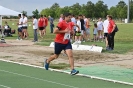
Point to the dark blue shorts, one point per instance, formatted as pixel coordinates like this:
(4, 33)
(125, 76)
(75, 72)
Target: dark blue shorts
(20, 29)
(24, 27)
(59, 47)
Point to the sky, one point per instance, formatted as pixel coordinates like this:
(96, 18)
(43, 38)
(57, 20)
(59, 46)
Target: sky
(31, 5)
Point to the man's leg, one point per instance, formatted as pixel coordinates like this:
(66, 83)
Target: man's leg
(36, 37)
(51, 28)
(70, 57)
(51, 58)
(69, 53)
(109, 40)
(57, 51)
(112, 40)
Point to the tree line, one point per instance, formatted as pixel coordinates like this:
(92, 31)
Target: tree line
(91, 10)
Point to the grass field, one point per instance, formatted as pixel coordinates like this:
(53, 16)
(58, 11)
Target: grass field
(123, 38)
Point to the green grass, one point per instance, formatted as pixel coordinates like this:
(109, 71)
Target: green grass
(123, 38)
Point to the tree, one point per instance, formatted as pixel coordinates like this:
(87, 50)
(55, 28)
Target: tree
(47, 12)
(36, 13)
(131, 10)
(113, 12)
(24, 12)
(55, 6)
(121, 9)
(101, 9)
(75, 9)
(121, 4)
(90, 8)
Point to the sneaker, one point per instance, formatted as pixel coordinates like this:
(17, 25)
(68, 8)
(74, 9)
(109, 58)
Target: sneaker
(74, 72)
(79, 42)
(17, 39)
(46, 64)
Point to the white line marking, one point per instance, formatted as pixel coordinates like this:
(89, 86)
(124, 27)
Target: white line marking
(37, 79)
(5, 86)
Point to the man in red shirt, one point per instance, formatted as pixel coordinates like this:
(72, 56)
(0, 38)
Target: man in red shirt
(111, 33)
(45, 24)
(62, 42)
(41, 26)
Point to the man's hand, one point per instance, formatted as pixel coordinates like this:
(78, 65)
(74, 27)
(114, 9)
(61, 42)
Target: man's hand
(67, 30)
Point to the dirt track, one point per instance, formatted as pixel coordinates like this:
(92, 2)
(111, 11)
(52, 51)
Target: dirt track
(29, 53)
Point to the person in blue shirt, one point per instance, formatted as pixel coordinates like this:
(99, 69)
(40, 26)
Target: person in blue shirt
(51, 20)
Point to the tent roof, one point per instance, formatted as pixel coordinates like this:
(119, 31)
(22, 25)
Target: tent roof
(8, 12)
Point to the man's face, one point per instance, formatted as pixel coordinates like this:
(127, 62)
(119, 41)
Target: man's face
(68, 18)
(108, 18)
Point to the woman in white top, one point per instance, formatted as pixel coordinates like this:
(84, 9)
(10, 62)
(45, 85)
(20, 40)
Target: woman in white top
(100, 29)
(25, 26)
(78, 32)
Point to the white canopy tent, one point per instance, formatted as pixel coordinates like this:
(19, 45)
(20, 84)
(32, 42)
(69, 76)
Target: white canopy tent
(7, 12)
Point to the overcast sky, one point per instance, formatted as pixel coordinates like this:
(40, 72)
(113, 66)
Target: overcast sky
(31, 5)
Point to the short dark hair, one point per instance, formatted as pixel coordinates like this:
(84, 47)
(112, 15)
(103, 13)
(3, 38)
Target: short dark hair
(81, 15)
(95, 25)
(67, 14)
(24, 14)
(44, 15)
(110, 17)
(19, 15)
(41, 15)
(34, 16)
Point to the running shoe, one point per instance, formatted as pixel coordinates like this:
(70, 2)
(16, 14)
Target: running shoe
(74, 72)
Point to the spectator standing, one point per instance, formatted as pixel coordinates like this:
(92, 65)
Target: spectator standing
(25, 26)
(41, 26)
(95, 32)
(61, 18)
(100, 29)
(75, 22)
(87, 31)
(45, 24)
(105, 25)
(78, 32)
(111, 33)
(35, 27)
(82, 28)
(51, 20)
(20, 23)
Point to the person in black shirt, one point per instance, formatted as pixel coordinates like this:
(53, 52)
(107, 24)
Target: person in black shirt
(82, 27)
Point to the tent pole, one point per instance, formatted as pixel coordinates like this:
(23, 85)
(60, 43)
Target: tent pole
(2, 35)
(0, 20)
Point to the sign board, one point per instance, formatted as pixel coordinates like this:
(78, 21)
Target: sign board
(92, 48)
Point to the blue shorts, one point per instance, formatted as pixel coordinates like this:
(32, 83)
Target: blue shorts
(20, 29)
(59, 47)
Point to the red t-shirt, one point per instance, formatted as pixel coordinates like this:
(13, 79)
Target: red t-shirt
(110, 27)
(41, 22)
(45, 22)
(60, 37)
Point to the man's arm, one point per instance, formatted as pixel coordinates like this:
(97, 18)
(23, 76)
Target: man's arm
(58, 31)
(113, 23)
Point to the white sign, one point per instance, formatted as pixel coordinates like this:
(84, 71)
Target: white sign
(92, 48)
